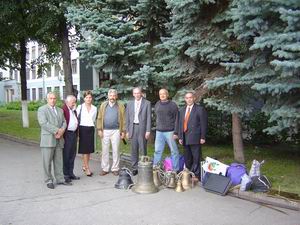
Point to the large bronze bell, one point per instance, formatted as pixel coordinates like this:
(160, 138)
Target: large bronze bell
(185, 177)
(125, 180)
(145, 183)
(170, 179)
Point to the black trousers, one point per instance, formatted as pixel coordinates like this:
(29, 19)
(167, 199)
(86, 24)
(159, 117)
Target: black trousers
(192, 157)
(69, 153)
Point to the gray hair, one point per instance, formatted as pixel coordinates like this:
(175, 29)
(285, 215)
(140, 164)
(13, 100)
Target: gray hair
(70, 98)
(50, 93)
(139, 88)
(190, 92)
(112, 91)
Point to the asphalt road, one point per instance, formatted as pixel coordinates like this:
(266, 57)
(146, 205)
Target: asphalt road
(25, 199)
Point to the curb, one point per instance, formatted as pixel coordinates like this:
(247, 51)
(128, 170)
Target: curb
(259, 198)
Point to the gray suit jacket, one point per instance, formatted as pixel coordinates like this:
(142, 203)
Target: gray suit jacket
(144, 117)
(50, 123)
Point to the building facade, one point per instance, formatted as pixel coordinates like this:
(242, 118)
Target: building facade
(38, 85)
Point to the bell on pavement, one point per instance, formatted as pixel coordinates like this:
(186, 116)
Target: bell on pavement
(170, 179)
(186, 178)
(179, 187)
(156, 176)
(145, 183)
(125, 180)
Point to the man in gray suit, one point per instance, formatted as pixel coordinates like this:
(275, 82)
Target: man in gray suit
(53, 125)
(138, 126)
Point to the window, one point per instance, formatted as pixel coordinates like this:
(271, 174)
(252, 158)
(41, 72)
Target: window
(11, 74)
(56, 91)
(27, 73)
(40, 93)
(40, 50)
(33, 72)
(27, 54)
(48, 71)
(74, 66)
(57, 70)
(28, 94)
(33, 56)
(49, 89)
(16, 75)
(64, 92)
(33, 94)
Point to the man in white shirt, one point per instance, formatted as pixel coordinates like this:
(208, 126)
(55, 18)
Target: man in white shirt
(70, 136)
(138, 126)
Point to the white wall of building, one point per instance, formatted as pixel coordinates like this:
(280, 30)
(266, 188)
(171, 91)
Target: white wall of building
(38, 85)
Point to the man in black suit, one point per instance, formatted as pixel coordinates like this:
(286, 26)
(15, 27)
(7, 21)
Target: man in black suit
(191, 129)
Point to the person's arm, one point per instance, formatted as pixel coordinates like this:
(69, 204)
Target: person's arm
(44, 123)
(127, 120)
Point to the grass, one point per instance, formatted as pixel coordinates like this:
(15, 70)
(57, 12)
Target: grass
(282, 164)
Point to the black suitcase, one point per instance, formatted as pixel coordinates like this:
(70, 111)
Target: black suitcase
(215, 183)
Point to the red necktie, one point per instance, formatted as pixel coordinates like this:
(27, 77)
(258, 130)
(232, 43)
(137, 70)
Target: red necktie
(186, 120)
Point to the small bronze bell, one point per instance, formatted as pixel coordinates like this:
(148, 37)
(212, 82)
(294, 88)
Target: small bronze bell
(156, 177)
(125, 180)
(186, 178)
(179, 187)
(170, 179)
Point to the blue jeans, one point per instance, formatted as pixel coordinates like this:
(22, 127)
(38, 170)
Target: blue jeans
(160, 140)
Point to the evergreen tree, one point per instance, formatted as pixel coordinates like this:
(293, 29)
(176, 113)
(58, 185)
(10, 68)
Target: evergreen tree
(268, 32)
(196, 48)
(118, 37)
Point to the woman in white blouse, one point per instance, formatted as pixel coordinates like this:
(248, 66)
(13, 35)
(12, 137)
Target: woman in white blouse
(86, 116)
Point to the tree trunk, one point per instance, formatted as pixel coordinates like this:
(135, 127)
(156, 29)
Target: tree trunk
(25, 117)
(66, 55)
(237, 140)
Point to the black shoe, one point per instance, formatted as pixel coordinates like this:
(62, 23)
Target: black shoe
(65, 183)
(68, 179)
(50, 185)
(73, 177)
(134, 172)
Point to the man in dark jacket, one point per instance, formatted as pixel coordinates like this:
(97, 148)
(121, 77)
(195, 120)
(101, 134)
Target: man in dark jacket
(191, 129)
(70, 136)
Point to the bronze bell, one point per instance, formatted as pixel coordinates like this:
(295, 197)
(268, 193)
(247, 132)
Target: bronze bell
(157, 176)
(145, 183)
(186, 178)
(179, 187)
(170, 178)
(125, 180)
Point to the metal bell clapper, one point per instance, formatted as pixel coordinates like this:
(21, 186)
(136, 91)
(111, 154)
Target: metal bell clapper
(125, 179)
(145, 183)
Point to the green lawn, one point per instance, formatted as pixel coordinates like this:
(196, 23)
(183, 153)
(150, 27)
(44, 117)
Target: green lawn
(282, 164)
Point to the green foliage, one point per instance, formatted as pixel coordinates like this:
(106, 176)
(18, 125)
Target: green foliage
(268, 69)
(32, 106)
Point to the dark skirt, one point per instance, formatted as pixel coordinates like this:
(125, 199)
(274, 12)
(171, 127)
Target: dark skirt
(86, 140)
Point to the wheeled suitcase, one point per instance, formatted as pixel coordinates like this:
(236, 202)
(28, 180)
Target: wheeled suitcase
(215, 183)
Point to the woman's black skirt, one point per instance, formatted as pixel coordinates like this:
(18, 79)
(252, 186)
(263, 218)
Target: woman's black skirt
(86, 140)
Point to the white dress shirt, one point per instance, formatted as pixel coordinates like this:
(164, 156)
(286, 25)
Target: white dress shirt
(137, 107)
(73, 122)
(187, 108)
(87, 118)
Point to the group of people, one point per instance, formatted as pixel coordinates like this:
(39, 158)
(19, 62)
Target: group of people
(61, 128)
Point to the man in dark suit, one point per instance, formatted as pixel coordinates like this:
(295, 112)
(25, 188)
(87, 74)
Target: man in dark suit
(138, 126)
(70, 136)
(191, 129)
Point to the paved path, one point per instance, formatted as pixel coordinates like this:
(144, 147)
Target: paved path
(24, 199)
